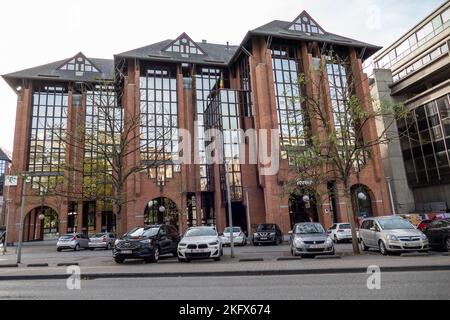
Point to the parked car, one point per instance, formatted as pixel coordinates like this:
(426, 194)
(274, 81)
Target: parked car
(102, 240)
(200, 243)
(438, 233)
(340, 232)
(391, 234)
(239, 237)
(310, 239)
(267, 233)
(147, 243)
(73, 241)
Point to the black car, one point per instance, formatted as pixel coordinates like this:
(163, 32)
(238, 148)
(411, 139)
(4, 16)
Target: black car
(267, 233)
(438, 233)
(147, 243)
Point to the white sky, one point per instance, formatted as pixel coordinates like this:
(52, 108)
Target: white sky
(36, 32)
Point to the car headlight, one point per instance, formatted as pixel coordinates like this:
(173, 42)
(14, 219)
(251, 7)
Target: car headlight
(255, 234)
(329, 241)
(182, 244)
(215, 243)
(423, 237)
(393, 238)
(298, 241)
(147, 241)
(117, 242)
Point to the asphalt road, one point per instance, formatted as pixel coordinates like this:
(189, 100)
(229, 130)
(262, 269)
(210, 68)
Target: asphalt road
(407, 285)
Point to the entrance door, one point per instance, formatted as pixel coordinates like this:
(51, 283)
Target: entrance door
(303, 208)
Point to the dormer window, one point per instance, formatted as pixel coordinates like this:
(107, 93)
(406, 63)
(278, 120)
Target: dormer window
(306, 24)
(79, 64)
(185, 46)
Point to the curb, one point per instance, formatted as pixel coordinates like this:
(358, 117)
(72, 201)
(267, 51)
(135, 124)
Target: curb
(289, 258)
(37, 265)
(94, 276)
(327, 257)
(14, 265)
(67, 264)
(251, 260)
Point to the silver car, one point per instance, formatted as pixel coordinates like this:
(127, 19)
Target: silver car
(102, 240)
(391, 234)
(73, 241)
(310, 239)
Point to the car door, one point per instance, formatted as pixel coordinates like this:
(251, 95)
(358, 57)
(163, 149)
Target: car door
(432, 232)
(174, 238)
(164, 241)
(368, 234)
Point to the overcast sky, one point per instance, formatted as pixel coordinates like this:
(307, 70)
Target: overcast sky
(38, 32)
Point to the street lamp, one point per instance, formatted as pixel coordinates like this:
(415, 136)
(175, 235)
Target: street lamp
(362, 196)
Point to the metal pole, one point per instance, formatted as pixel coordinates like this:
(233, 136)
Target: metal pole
(230, 215)
(391, 195)
(22, 214)
(249, 225)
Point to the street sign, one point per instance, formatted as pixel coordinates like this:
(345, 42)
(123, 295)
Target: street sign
(11, 181)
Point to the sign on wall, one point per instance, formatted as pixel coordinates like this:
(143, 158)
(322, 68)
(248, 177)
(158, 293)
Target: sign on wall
(11, 181)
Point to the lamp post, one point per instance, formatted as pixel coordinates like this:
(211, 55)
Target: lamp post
(391, 195)
(230, 214)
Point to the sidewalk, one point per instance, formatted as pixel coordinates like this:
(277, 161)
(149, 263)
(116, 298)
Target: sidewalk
(227, 267)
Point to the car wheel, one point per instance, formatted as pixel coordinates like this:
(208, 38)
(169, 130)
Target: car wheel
(58, 249)
(364, 247)
(447, 245)
(108, 246)
(92, 249)
(217, 259)
(119, 261)
(383, 249)
(155, 255)
(77, 247)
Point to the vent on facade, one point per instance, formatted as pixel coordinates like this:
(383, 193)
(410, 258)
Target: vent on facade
(48, 75)
(159, 56)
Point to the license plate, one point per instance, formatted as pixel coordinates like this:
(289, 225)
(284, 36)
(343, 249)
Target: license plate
(263, 238)
(199, 251)
(316, 246)
(126, 252)
(413, 244)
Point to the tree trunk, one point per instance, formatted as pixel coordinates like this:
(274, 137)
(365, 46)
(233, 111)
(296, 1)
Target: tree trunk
(119, 229)
(351, 217)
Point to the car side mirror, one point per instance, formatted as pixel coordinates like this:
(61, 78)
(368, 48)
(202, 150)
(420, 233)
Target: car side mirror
(291, 232)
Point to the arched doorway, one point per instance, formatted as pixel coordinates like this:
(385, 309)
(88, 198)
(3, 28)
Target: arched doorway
(303, 207)
(361, 202)
(161, 211)
(41, 224)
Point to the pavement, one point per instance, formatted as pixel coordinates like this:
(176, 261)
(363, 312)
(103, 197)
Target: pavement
(40, 261)
(402, 285)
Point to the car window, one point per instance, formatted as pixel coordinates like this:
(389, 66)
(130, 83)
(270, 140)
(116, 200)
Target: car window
(163, 231)
(345, 226)
(201, 232)
(266, 227)
(333, 227)
(172, 230)
(392, 224)
(309, 229)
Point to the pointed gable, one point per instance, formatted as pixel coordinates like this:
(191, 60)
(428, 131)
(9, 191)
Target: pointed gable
(305, 23)
(79, 64)
(184, 45)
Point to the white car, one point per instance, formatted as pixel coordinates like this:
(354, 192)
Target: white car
(340, 232)
(200, 243)
(238, 237)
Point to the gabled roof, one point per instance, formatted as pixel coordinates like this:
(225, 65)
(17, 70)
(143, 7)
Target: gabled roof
(184, 45)
(4, 155)
(305, 23)
(53, 71)
(214, 54)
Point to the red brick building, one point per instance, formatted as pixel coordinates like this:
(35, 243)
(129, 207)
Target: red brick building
(174, 85)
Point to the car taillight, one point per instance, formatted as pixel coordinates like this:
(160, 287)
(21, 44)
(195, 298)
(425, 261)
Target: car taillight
(73, 239)
(104, 239)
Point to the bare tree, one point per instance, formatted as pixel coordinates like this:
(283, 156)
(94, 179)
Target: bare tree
(340, 139)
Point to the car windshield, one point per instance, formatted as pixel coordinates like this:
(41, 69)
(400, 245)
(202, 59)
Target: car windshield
(143, 232)
(98, 235)
(345, 226)
(203, 232)
(67, 236)
(309, 229)
(235, 229)
(266, 227)
(393, 224)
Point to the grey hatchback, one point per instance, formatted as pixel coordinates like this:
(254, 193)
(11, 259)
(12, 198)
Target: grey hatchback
(310, 239)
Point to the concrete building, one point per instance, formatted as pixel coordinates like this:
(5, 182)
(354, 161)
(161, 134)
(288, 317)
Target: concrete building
(173, 85)
(415, 71)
